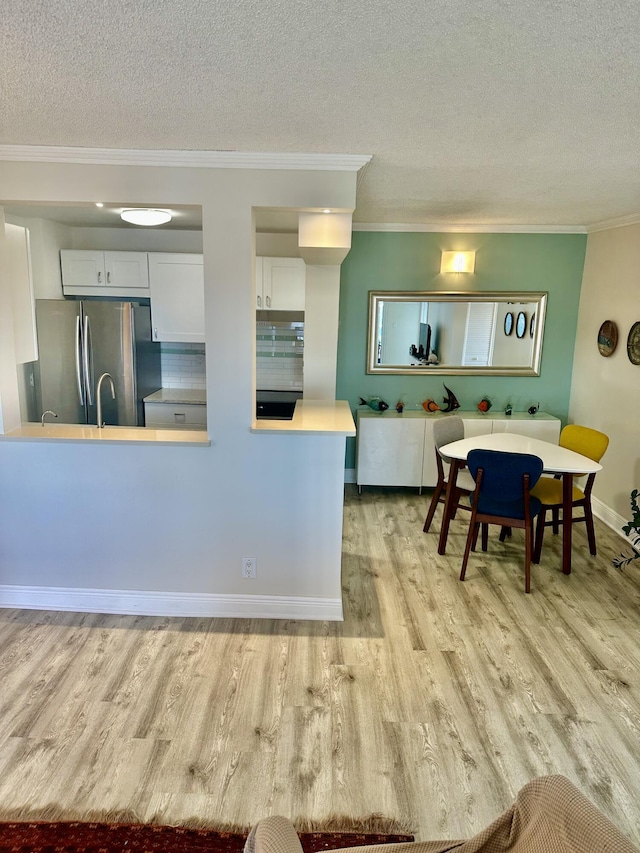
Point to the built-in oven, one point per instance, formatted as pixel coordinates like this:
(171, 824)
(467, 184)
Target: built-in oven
(276, 405)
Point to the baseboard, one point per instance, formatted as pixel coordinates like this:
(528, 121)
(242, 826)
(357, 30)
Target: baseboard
(135, 602)
(608, 516)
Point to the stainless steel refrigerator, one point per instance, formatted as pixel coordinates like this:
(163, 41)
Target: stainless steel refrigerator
(80, 340)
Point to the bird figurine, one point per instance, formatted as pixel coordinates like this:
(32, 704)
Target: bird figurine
(376, 404)
(451, 400)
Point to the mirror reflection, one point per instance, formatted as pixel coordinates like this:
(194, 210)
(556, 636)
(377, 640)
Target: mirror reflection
(448, 333)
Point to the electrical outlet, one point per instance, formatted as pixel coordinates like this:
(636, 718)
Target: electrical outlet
(249, 567)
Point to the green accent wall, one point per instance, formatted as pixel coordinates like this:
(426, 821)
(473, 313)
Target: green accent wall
(411, 261)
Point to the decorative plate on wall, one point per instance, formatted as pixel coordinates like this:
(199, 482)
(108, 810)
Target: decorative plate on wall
(521, 324)
(607, 338)
(508, 323)
(633, 344)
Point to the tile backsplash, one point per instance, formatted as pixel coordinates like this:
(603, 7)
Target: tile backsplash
(183, 365)
(279, 359)
(279, 355)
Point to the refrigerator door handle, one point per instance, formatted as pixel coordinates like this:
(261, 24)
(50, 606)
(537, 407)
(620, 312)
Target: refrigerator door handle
(78, 364)
(87, 356)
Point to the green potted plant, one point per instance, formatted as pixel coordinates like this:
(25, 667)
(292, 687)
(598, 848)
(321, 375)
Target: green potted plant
(632, 534)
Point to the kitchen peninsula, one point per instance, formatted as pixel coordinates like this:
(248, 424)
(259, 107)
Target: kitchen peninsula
(319, 417)
(311, 417)
(79, 433)
(155, 529)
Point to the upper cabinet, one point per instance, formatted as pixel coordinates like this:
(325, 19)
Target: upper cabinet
(177, 297)
(95, 273)
(21, 290)
(280, 284)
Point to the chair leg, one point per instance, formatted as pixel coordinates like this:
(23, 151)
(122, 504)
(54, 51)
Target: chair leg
(456, 498)
(474, 541)
(471, 535)
(528, 546)
(537, 550)
(432, 507)
(555, 515)
(591, 533)
(485, 537)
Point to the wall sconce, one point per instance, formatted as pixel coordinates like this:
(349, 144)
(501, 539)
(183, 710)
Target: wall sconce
(458, 262)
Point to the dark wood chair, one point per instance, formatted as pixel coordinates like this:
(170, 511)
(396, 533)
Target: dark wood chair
(446, 430)
(588, 442)
(502, 496)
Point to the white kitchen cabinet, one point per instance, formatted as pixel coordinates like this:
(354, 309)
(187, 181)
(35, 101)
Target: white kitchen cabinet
(176, 284)
(91, 272)
(280, 284)
(175, 415)
(21, 290)
(541, 426)
(390, 449)
(398, 450)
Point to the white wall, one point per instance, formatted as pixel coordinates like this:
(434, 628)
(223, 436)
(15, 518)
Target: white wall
(604, 391)
(47, 238)
(321, 310)
(9, 401)
(180, 518)
(401, 329)
(137, 239)
(510, 349)
(277, 245)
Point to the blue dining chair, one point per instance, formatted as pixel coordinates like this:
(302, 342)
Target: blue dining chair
(503, 481)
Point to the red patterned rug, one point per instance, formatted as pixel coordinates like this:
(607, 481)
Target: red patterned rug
(79, 837)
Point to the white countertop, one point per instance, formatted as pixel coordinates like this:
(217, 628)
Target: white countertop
(311, 417)
(319, 417)
(182, 396)
(106, 435)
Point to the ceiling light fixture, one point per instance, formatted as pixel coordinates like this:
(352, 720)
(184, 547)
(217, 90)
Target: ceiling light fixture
(99, 204)
(458, 262)
(145, 216)
(327, 210)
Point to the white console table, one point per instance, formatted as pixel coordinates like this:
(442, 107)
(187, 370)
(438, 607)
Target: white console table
(398, 450)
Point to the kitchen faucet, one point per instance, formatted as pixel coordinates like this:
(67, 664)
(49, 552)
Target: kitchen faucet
(44, 415)
(99, 396)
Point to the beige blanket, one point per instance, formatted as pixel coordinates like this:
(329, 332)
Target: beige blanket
(550, 815)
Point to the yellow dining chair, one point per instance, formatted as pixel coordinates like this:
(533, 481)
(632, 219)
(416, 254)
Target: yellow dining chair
(548, 490)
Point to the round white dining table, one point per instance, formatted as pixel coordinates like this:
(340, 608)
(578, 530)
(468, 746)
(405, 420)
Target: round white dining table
(555, 460)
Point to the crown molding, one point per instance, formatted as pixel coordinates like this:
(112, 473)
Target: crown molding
(617, 222)
(446, 228)
(187, 159)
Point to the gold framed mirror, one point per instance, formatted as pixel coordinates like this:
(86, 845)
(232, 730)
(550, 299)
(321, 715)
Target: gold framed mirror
(445, 333)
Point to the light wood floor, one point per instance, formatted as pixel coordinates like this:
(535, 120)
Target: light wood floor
(432, 703)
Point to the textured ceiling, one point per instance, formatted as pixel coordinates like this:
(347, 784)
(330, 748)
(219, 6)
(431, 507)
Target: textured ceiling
(483, 112)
